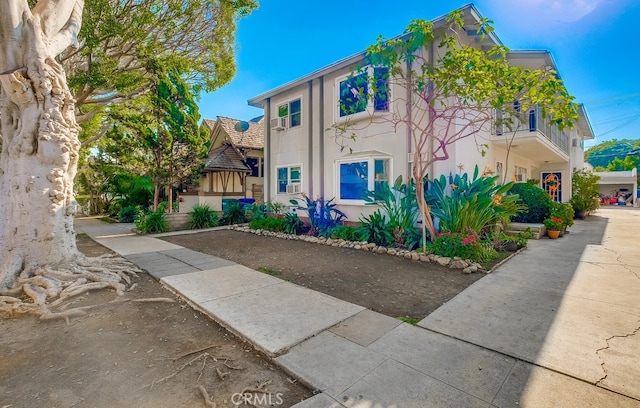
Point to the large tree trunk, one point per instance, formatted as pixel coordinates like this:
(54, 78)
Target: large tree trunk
(39, 157)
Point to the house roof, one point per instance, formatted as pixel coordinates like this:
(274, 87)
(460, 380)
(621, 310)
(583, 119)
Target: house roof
(252, 138)
(226, 158)
(470, 12)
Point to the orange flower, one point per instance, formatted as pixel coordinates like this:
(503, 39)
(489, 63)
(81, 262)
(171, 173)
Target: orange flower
(497, 199)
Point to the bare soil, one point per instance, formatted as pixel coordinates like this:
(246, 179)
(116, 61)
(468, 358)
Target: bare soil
(127, 354)
(394, 286)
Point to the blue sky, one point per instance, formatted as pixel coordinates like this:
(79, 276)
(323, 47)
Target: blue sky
(592, 41)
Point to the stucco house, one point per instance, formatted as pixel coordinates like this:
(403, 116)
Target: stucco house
(301, 155)
(234, 166)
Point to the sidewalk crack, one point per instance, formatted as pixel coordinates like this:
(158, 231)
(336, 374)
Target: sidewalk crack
(604, 369)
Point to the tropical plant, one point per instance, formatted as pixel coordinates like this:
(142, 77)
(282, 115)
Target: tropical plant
(293, 224)
(127, 214)
(202, 216)
(233, 214)
(376, 228)
(275, 207)
(537, 201)
(470, 205)
(398, 203)
(323, 215)
(255, 211)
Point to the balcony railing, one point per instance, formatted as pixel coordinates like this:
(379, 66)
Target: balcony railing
(535, 122)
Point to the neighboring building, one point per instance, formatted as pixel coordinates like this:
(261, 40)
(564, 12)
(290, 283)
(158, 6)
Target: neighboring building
(234, 166)
(301, 156)
(618, 187)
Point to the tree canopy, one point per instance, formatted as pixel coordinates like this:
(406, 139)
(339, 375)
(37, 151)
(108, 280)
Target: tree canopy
(119, 38)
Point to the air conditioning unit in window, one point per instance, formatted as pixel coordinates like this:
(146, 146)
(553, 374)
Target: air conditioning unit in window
(293, 188)
(279, 123)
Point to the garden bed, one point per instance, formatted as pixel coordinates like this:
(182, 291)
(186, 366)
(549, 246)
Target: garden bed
(391, 285)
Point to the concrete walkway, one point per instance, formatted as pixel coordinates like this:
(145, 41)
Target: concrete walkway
(556, 326)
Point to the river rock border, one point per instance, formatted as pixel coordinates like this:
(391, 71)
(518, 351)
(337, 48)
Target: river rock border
(467, 266)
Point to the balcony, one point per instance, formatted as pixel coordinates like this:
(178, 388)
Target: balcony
(536, 137)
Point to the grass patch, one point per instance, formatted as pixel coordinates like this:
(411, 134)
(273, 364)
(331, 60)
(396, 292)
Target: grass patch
(268, 271)
(411, 320)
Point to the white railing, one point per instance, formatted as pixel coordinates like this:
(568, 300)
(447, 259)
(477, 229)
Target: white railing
(535, 121)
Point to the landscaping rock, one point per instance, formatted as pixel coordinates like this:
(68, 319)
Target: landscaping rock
(467, 270)
(458, 264)
(424, 258)
(407, 255)
(382, 250)
(391, 251)
(443, 260)
(415, 256)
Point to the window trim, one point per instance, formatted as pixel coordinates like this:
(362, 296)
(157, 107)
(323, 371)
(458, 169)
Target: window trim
(287, 103)
(277, 180)
(369, 111)
(370, 159)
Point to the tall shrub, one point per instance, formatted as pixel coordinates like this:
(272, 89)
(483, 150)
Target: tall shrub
(537, 201)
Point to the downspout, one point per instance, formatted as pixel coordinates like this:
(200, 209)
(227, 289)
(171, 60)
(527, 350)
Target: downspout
(321, 134)
(310, 139)
(267, 152)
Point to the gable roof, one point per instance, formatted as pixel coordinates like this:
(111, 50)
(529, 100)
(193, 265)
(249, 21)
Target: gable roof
(227, 158)
(252, 138)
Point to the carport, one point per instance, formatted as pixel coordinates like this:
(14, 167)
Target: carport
(616, 184)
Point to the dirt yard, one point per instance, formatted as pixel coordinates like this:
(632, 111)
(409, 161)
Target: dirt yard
(390, 285)
(128, 354)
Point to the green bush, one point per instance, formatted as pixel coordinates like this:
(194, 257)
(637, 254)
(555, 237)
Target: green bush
(151, 222)
(233, 214)
(585, 190)
(293, 224)
(537, 201)
(202, 216)
(269, 224)
(564, 211)
(127, 214)
(345, 232)
(465, 246)
(375, 228)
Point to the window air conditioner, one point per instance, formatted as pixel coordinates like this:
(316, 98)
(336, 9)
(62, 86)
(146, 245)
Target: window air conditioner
(293, 188)
(279, 123)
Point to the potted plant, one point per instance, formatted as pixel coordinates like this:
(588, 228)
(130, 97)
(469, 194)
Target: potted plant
(565, 212)
(553, 225)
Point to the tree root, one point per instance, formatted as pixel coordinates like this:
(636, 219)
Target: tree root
(152, 300)
(207, 399)
(49, 288)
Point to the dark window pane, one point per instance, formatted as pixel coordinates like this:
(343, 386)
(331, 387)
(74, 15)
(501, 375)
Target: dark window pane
(353, 95)
(283, 179)
(294, 119)
(294, 106)
(353, 180)
(253, 163)
(381, 97)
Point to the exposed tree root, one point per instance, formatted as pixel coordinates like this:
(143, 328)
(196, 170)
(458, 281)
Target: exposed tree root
(45, 291)
(207, 400)
(152, 300)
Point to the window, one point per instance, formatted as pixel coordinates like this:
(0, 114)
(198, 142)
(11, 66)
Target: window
(291, 111)
(289, 179)
(356, 177)
(254, 163)
(499, 170)
(521, 174)
(354, 93)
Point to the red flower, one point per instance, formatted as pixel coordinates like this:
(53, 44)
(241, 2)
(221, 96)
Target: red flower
(465, 241)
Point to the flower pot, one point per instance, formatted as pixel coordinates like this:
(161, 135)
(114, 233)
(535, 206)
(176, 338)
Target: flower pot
(553, 234)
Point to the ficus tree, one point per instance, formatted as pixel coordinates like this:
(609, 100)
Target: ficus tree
(447, 88)
(107, 61)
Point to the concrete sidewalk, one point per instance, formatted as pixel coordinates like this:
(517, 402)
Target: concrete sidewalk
(555, 326)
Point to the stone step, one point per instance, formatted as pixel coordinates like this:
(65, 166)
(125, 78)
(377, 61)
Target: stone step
(515, 227)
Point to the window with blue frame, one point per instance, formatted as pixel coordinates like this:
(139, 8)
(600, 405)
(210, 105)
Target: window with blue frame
(357, 177)
(354, 92)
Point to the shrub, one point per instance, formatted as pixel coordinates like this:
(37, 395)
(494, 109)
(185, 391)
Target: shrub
(465, 246)
(585, 190)
(537, 201)
(563, 211)
(269, 224)
(553, 223)
(345, 232)
(202, 216)
(375, 228)
(293, 224)
(151, 222)
(127, 214)
(233, 214)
